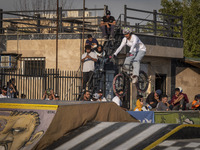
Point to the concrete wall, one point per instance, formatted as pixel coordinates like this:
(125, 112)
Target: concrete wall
(189, 80)
(68, 54)
(69, 51)
(158, 65)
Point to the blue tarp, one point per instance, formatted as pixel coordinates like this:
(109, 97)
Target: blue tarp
(143, 116)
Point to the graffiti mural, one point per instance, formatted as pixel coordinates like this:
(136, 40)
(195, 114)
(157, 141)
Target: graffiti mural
(177, 117)
(22, 128)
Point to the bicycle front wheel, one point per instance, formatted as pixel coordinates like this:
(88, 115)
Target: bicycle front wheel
(143, 82)
(120, 82)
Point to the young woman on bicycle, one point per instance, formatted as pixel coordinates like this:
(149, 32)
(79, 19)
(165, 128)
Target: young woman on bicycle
(136, 53)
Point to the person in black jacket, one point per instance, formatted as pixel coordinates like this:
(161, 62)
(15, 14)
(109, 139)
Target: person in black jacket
(153, 98)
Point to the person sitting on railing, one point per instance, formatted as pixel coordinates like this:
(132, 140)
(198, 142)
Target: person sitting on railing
(118, 99)
(88, 60)
(154, 98)
(101, 97)
(136, 52)
(95, 97)
(101, 57)
(92, 42)
(4, 92)
(179, 100)
(12, 90)
(163, 105)
(139, 103)
(196, 102)
(50, 94)
(86, 96)
(23, 96)
(107, 25)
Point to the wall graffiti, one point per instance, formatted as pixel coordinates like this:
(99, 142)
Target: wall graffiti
(22, 129)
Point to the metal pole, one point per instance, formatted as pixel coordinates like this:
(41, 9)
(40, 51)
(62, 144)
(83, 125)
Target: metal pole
(57, 29)
(83, 34)
(1, 21)
(155, 21)
(57, 34)
(125, 14)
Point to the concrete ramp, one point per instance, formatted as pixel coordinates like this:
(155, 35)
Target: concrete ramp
(34, 124)
(28, 124)
(122, 136)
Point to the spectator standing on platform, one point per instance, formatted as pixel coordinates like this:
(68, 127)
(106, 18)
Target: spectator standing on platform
(12, 90)
(179, 100)
(4, 92)
(163, 104)
(86, 96)
(101, 57)
(88, 60)
(196, 102)
(139, 103)
(101, 97)
(92, 42)
(107, 25)
(153, 98)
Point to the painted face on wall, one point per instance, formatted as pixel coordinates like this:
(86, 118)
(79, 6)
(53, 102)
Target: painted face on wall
(16, 130)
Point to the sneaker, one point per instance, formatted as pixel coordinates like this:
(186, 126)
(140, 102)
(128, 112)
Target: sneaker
(134, 79)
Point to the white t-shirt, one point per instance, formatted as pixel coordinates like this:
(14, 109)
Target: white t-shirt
(2, 96)
(117, 100)
(102, 100)
(134, 43)
(88, 64)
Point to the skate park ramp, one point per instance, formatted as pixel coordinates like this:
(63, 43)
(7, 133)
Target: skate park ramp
(123, 136)
(36, 124)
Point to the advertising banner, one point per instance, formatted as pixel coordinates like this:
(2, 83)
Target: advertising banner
(143, 116)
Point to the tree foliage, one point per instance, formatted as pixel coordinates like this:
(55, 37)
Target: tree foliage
(190, 10)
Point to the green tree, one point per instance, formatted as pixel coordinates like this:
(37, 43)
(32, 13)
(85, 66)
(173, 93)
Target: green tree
(191, 28)
(190, 10)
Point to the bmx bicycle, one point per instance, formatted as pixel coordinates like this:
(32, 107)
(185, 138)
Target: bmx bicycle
(123, 78)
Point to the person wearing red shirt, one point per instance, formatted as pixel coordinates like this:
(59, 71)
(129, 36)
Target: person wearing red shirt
(179, 100)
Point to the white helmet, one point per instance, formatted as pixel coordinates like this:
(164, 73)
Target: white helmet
(181, 90)
(127, 30)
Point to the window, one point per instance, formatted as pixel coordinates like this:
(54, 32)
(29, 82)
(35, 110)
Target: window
(8, 61)
(33, 66)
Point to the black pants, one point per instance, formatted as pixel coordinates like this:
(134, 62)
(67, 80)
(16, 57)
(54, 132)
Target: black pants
(86, 77)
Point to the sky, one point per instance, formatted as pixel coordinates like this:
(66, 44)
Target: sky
(115, 6)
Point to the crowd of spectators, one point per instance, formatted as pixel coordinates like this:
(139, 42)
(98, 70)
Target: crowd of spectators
(10, 90)
(156, 101)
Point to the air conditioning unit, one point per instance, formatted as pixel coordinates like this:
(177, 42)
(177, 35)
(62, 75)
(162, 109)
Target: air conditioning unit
(8, 61)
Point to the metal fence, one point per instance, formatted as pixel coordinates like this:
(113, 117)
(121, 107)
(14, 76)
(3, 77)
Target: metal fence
(153, 23)
(65, 83)
(45, 21)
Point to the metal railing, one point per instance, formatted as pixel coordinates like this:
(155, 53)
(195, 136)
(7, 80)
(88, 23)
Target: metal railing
(34, 85)
(155, 23)
(44, 21)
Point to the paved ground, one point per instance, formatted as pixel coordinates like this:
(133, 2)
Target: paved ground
(184, 144)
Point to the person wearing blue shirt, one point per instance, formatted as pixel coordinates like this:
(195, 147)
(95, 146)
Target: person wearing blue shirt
(92, 42)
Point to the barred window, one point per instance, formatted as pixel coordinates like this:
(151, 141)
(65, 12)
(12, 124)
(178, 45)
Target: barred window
(33, 66)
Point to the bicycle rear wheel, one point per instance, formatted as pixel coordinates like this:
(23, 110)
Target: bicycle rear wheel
(143, 82)
(120, 81)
